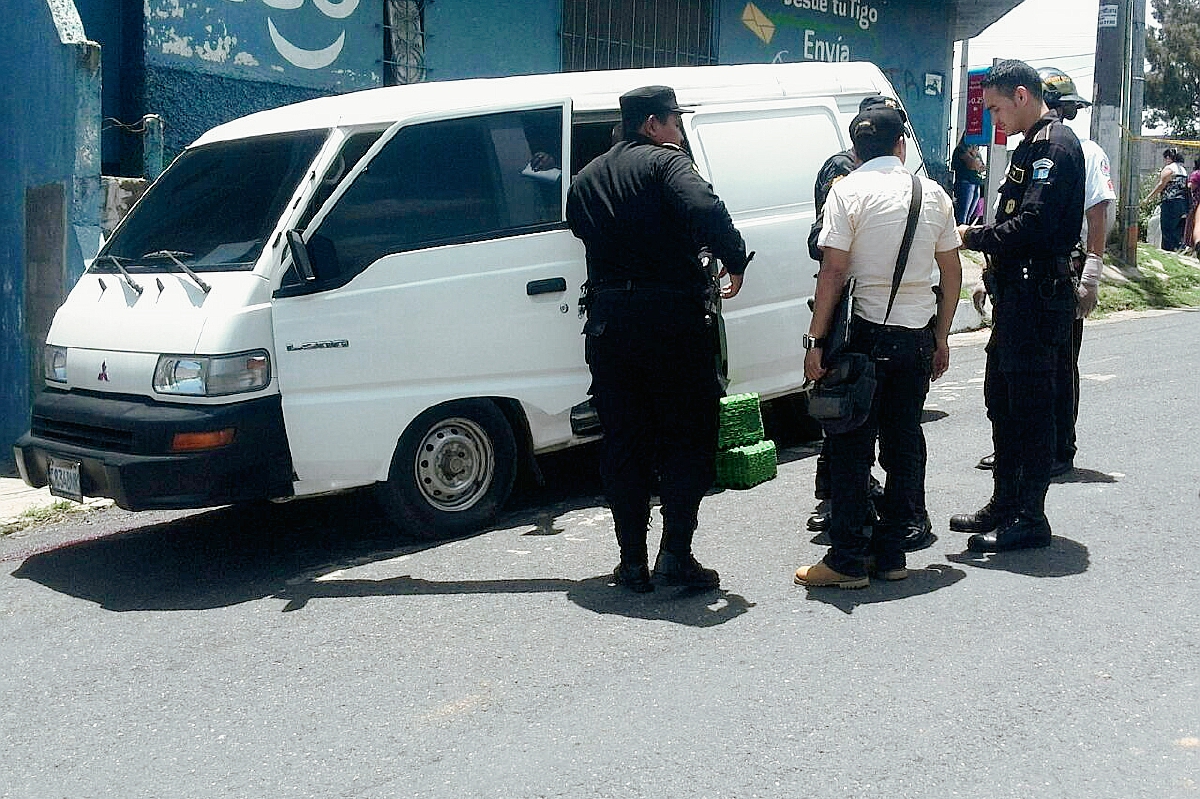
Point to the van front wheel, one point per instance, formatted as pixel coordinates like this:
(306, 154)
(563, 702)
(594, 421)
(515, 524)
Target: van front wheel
(452, 471)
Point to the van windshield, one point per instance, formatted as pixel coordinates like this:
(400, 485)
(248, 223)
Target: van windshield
(215, 207)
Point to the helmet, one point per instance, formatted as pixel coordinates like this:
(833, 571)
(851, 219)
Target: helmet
(1057, 88)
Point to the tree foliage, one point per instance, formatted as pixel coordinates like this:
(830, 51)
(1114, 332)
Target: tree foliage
(1172, 94)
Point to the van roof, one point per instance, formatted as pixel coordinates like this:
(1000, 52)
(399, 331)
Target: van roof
(589, 91)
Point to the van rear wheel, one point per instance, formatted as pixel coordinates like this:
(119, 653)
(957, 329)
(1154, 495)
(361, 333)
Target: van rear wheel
(453, 469)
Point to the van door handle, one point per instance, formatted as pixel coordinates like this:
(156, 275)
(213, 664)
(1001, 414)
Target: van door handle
(548, 286)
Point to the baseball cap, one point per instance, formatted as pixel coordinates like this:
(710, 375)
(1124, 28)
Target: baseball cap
(879, 123)
(880, 101)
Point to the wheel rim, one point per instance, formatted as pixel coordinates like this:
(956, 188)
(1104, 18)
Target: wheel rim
(455, 464)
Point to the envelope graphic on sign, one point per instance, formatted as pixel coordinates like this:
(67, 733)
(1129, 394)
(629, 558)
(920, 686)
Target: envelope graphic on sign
(758, 23)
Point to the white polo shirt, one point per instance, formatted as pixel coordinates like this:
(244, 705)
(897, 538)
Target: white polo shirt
(865, 215)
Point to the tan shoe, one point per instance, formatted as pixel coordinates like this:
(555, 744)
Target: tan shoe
(819, 575)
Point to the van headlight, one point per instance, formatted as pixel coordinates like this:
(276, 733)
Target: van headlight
(54, 363)
(212, 375)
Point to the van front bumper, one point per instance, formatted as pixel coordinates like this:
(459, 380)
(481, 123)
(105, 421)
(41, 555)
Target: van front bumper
(123, 448)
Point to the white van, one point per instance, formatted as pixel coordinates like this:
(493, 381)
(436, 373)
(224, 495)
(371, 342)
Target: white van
(379, 288)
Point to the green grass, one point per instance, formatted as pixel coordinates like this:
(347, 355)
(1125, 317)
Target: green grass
(1167, 280)
(44, 514)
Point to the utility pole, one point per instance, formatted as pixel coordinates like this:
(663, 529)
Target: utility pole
(1117, 106)
(1135, 81)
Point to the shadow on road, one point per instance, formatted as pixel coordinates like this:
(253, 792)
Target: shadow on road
(1062, 558)
(236, 554)
(693, 607)
(932, 578)
(1078, 475)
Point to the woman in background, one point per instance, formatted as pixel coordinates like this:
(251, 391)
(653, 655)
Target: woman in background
(968, 181)
(1190, 239)
(1173, 187)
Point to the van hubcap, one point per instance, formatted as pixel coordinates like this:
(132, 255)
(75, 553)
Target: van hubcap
(455, 464)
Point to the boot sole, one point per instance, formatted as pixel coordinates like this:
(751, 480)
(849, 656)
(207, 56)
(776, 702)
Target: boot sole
(857, 582)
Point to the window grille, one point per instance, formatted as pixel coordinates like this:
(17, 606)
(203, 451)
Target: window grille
(619, 34)
(403, 42)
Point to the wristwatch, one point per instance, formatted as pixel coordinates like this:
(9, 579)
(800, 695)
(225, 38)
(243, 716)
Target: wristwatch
(812, 342)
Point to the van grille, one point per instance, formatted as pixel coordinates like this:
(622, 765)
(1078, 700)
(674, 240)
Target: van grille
(82, 435)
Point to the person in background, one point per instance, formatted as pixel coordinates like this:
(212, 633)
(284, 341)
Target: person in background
(1173, 188)
(1190, 238)
(968, 181)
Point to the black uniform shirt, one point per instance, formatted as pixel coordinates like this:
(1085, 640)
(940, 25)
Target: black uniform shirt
(835, 168)
(644, 214)
(1041, 201)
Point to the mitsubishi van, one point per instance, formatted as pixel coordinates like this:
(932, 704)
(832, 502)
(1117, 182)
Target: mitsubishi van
(379, 288)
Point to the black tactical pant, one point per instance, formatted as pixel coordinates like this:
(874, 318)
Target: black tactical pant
(903, 360)
(1066, 396)
(655, 388)
(1032, 322)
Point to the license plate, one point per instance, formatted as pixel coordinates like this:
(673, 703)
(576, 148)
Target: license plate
(64, 479)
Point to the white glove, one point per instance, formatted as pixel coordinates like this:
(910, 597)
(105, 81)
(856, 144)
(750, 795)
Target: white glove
(1089, 286)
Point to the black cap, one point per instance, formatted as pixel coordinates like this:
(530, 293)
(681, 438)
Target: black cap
(640, 103)
(881, 124)
(879, 101)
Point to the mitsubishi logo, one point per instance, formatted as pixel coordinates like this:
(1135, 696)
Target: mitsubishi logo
(103, 376)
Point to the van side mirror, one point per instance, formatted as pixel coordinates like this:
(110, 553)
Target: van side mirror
(299, 251)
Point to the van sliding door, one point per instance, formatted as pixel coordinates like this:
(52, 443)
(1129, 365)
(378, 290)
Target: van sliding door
(763, 160)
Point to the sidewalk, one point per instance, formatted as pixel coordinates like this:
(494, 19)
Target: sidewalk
(16, 499)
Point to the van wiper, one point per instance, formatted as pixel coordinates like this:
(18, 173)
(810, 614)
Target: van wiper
(175, 255)
(116, 261)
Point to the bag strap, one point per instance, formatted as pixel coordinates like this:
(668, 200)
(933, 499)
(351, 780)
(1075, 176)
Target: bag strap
(914, 206)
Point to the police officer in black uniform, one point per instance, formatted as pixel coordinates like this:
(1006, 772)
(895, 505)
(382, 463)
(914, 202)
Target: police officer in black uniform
(1029, 278)
(644, 215)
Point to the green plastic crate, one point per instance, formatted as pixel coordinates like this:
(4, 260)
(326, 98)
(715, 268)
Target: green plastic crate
(741, 421)
(747, 466)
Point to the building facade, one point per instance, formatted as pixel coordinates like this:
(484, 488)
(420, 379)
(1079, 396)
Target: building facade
(113, 87)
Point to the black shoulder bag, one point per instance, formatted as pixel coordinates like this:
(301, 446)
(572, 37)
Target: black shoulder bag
(841, 400)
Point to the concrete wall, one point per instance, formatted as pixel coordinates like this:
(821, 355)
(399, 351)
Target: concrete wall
(50, 157)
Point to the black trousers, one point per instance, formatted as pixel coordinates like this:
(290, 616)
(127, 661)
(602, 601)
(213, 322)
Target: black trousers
(1066, 396)
(1172, 214)
(903, 360)
(655, 388)
(1032, 326)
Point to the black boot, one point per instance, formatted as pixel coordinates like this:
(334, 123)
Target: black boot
(673, 569)
(999, 509)
(1023, 531)
(984, 520)
(634, 576)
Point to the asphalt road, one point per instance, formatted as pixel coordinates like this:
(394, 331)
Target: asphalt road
(307, 650)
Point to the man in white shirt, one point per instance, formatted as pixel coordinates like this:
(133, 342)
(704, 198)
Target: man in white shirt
(864, 221)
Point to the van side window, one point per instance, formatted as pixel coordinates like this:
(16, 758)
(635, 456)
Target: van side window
(442, 183)
(764, 160)
(590, 138)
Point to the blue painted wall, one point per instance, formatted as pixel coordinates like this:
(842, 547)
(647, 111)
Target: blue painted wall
(207, 63)
(38, 137)
(910, 40)
(469, 39)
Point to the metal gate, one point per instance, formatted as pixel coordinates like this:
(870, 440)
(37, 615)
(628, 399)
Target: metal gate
(619, 34)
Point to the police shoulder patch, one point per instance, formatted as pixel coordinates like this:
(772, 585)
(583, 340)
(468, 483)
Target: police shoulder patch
(1041, 169)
